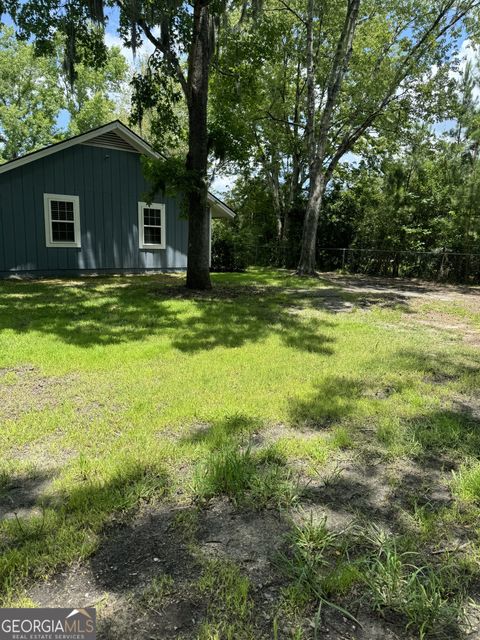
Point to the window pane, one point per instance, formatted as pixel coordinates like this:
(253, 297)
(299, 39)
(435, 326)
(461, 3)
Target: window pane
(152, 217)
(61, 210)
(63, 231)
(152, 235)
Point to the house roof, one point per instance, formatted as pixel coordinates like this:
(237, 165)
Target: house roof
(112, 135)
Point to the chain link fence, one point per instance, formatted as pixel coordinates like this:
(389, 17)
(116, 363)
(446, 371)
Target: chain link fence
(442, 265)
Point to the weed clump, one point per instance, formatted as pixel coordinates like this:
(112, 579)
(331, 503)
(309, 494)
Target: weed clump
(257, 479)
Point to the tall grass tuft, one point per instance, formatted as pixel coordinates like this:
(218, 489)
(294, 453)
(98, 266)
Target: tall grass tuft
(466, 482)
(427, 597)
(259, 479)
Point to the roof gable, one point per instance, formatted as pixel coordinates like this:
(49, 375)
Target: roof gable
(116, 132)
(111, 140)
(114, 135)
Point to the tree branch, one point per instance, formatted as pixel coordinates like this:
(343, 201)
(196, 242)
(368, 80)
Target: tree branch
(299, 17)
(414, 54)
(169, 55)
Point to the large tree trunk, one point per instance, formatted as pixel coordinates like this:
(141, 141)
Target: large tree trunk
(306, 265)
(198, 268)
(317, 140)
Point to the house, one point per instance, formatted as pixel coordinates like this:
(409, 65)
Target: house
(78, 207)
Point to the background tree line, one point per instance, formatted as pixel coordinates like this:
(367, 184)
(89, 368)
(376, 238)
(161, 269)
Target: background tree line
(419, 193)
(39, 106)
(386, 179)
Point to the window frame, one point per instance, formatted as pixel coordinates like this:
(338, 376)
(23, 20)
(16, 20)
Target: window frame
(141, 226)
(48, 198)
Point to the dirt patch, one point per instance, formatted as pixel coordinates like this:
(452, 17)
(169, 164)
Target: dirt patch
(167, 540)
(275, 432)
(443, 321)
(156, 544)
(469, 406)
(337, 627)
(438, 321)
(43, 455)
(251, 539)
(354, 489)
(21, 496)
(379, 394)
(23, 389)
(411, 288)
(116, 577)
(439, 377)
(473, 339)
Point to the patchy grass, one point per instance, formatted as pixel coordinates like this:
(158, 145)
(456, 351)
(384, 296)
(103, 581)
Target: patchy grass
(325, 567)
(431, 599)
(306, 398)
(229, 611)
(155, 593)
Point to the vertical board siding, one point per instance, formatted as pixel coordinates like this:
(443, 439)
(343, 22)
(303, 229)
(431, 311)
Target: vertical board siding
(8, 232)
(32, 222)
(110, 184)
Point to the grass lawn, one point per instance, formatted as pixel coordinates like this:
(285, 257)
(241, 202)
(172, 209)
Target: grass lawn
(277, 458)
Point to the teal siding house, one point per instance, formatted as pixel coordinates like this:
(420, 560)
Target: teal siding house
(77, 207)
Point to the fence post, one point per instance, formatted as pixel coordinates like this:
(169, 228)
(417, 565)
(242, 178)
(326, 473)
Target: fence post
(343, 259)
(442, 265)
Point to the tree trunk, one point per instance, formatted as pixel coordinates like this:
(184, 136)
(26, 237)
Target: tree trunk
(277, 200)
(198, 268)
(317, 140)
(306, 265)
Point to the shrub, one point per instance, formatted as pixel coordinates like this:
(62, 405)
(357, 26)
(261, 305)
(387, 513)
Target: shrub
(228, 248)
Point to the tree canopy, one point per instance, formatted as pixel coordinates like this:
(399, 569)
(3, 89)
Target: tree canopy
(35, 93)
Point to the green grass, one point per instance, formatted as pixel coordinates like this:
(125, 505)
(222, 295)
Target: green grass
(126, 390)
(466, 482)
(431, 599)
(227, 591)
(323, 567)
(154, 594)
(255, 479)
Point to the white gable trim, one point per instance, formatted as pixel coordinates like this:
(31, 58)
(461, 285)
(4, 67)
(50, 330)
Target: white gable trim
(137, 143)
(219, 209)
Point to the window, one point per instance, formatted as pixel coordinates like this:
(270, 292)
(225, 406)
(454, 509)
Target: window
(62, 220)
(151, 225)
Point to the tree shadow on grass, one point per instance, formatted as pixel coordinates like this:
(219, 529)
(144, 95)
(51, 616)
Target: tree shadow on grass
(144, 573)
(32, 547)
(20, 495)
(439, 367)
(229, 430)
(330, 401)
(84, 314)
(107, 312)
(229, 318)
